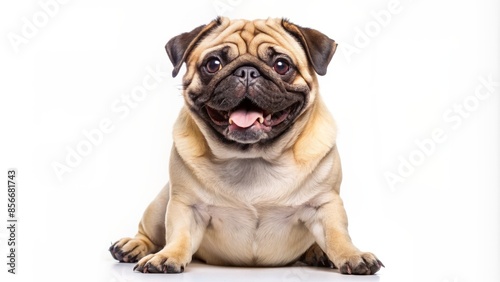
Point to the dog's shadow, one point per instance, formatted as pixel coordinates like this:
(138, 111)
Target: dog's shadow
(198, 271)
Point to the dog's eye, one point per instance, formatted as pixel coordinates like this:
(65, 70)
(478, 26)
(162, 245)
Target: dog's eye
(213, 65)
(281, 66)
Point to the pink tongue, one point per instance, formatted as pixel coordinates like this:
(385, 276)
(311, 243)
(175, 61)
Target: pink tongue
(244, 119)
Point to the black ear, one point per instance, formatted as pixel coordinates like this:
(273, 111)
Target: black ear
(319, 47)
(179, 47)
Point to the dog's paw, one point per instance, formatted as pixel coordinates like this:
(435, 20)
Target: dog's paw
(359, 264)
(315, 256)
(160, 262)
(128, 250)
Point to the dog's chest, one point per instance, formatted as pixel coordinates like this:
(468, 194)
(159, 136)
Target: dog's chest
(262, 222)
(255, 180)
(255, 235)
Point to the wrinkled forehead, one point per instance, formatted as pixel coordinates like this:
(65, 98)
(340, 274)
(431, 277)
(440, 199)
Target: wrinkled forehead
(252, 37)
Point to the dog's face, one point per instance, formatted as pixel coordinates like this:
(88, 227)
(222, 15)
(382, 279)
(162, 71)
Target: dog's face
(249, 81)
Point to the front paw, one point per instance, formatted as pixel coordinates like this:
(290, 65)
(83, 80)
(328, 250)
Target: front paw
(161, 262)
(359, 264)
(128, 250)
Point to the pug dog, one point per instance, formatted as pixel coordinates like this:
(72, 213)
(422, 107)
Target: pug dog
(254, 169)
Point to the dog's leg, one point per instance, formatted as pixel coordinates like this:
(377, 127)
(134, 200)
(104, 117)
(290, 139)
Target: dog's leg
(330, 231)
(151, 235)
(314, 256)
(183, 237)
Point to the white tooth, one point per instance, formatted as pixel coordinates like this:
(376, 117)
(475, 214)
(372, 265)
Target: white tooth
(268, 118)
(261, 119)
(230, 121)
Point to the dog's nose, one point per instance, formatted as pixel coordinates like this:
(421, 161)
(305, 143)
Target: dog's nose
(247, 74)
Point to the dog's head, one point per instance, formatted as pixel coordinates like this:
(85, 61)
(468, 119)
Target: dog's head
(247, 82)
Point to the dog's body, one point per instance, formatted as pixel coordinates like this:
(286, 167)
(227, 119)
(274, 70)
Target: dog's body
(254, 171)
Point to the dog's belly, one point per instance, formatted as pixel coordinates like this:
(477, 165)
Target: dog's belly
(265, 236)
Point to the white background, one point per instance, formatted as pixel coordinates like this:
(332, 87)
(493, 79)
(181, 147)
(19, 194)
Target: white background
(440, 224)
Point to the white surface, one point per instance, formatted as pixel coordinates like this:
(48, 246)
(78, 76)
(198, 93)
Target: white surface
(441, 224)
(201, 272)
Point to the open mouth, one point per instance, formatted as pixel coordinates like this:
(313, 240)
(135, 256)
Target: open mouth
(247, 115)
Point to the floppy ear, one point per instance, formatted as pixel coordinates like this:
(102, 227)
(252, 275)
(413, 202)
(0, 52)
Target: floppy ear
(179, 47)
(319, 47)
